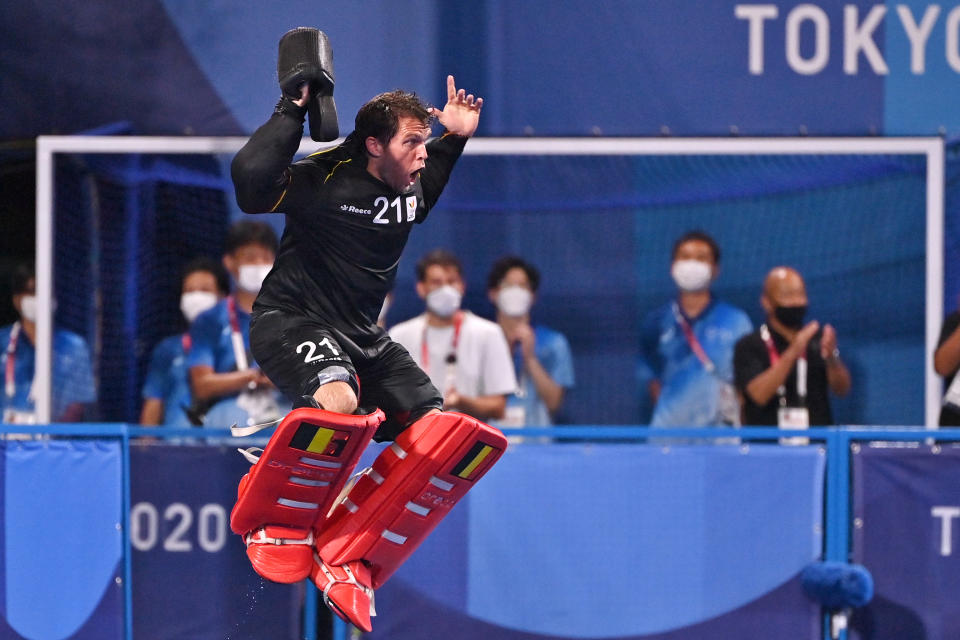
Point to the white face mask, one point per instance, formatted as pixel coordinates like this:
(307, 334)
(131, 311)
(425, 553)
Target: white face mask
(193, 303)
(250, 277)
(692, 275)
(28, 308)
(514, 300)
(444, 301)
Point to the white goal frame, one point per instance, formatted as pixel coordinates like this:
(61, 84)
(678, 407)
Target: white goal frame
(930, 147)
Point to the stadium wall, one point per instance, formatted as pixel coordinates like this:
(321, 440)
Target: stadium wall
(676, 67)
(107, 536)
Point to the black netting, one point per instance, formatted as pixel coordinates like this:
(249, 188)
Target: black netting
(125, 226)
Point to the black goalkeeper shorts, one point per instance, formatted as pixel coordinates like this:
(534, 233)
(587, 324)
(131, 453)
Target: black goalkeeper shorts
(299, 354)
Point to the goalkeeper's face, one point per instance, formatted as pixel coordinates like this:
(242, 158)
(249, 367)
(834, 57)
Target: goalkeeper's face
(400, 161)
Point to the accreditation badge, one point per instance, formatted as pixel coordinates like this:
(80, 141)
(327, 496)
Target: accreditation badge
(514, 416)
(728, 406)
(952, 396)
(12, 416)
(260, 405)
(793, 418)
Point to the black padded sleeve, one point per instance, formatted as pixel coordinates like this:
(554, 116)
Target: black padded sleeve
(442, 154)
(260, 169)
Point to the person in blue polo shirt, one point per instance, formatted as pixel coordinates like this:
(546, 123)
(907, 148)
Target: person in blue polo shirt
(73, 388)
(687, 344)
(542, 358)
(223, 374)
(166, 390)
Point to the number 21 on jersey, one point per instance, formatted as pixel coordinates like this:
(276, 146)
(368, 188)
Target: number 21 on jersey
(386, 207)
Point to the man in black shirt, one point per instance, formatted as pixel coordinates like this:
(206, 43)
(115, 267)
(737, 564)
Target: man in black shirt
(314, 333)
(946, 362)
(783, 370)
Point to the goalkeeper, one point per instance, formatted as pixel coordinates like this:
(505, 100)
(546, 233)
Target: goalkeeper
(349, 211)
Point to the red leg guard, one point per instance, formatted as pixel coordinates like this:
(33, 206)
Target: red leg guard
(412, 485)
(292, 486)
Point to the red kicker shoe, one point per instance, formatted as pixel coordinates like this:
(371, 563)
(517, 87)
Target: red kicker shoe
(346, 591)
(280, 554)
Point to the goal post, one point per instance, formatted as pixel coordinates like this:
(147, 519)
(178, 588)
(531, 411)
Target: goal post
(931, 148)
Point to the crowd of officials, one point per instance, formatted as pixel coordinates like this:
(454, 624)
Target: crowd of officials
(703, 360)
(508, 372)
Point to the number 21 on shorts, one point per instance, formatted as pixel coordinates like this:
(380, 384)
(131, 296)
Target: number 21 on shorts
(314, 354)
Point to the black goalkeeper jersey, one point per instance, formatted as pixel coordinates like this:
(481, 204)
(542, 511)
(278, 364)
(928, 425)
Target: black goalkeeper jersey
(345, 229)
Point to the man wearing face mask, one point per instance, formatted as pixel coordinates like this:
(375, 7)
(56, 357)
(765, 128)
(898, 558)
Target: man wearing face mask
(466, 356)
(687, 344)
(73, 384)
(946, 362)
(541, 356)
(224, 379)
(785, 369)
(166, 390)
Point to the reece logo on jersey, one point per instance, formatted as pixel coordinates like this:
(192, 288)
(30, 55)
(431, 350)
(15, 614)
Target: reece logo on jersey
(349, 208)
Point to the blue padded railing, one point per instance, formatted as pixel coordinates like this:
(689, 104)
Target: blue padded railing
(836, 440)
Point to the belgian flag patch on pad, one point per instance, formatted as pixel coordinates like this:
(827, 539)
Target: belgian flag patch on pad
(316, 439)
(472, 461)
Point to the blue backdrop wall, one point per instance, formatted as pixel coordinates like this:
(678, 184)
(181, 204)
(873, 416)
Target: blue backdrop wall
(622, 67)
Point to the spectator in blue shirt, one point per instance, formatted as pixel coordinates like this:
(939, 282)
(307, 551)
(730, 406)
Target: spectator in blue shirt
(72, 388)
(542, 356)
(687, 344)
(223, 374)
(166, 391)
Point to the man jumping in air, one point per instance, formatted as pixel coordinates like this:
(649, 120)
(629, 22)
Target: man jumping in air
(349, 211)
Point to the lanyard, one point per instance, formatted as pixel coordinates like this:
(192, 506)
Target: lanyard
(236, 338)
(775, 358)
(10, 384)
(451, 356)
(692, 340)
(520, 369)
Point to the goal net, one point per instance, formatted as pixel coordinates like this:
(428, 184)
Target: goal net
(861, 219)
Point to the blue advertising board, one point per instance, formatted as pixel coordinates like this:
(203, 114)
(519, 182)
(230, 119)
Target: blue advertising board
(191, 576)
(619, 541)
(61, 566)
(906, 509)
